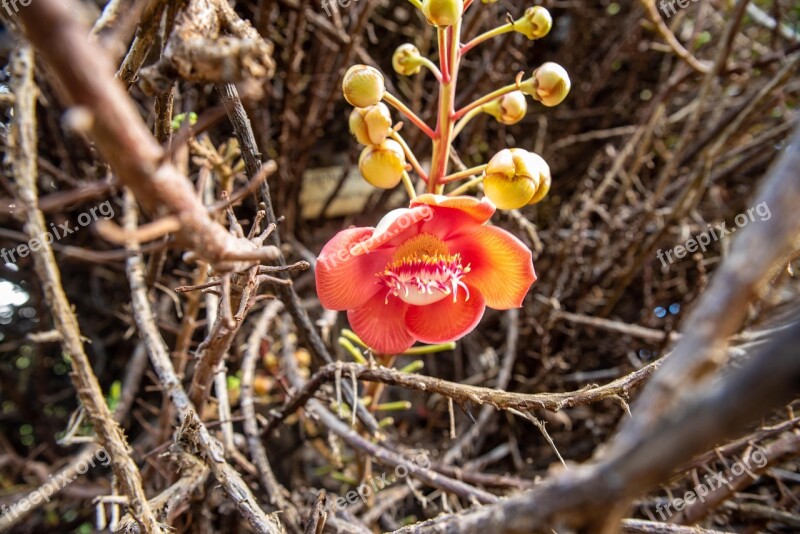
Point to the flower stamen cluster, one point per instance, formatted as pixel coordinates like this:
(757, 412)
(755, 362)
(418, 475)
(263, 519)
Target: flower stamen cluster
(426, 279)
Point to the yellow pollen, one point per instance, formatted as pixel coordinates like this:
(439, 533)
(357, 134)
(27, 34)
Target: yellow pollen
(420, 247)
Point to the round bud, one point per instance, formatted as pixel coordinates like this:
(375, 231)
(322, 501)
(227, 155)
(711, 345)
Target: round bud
(549, 84)
(405, 60)
(370, 125)
(535, 23)
(508, 109)
(383, 165)
(363, 86)
(443, 13)
(515, 177)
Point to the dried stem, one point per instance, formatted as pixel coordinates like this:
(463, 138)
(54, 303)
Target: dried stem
(23, 147)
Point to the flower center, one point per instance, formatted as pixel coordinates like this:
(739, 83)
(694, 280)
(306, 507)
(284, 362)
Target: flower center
(423, 271)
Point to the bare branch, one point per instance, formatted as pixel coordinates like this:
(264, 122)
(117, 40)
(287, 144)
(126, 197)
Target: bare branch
(86, 76)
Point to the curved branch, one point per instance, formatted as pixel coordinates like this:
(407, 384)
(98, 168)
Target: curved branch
(462, 393)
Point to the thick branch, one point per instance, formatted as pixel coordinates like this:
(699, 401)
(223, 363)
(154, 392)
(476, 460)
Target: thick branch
(588, 495)
(86, 75)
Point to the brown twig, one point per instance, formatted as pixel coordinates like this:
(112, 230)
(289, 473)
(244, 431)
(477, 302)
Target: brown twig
(23, 147)
(122, 137)
(787, 446)
(463, 393)
(194, 432)
(252, 158)
(380, 454)
(277, 493)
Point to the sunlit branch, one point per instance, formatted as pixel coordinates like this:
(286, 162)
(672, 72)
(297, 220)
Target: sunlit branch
(460, 190)
(409, 155)
(430, 65)
(485, 99)
(402, 108)
(460, 175)
(500, 30)
(465, 120)
(443, 55)
(412, 194)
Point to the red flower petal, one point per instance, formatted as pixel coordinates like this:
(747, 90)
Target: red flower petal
(446, 320)
(501, 268)
(345, 281)
(479, 211)
(396, 227)
(382, 325)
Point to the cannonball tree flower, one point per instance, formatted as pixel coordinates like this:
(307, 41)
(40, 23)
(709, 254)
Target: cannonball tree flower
(370, 125)
(535, 23)
(549, 84)
(363, 86)
(382, 165)
(443, 13)
(426, 273)
(508, 109)
(515, 178)
(406, 60)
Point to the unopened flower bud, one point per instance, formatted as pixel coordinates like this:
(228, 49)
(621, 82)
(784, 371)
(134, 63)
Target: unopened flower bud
(549, 84)
(535, 23)
(443, 13)
(406, 60)
(383, 165)
(370, 125)
(363, 86)
(516, 177)
(508, 109)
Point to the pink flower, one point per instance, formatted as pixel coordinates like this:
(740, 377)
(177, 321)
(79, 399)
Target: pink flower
(423, 274)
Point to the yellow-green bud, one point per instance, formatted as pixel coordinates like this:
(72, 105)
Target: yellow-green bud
(549, 84)
(443, 13)
(535, 23)
(406, 60)
(508, 109)
(383, 165)
(363, 86)
(370, 125)
(515, 177)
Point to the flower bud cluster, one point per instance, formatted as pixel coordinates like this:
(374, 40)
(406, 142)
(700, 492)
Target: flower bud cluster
(382, 161)
(514, 177)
